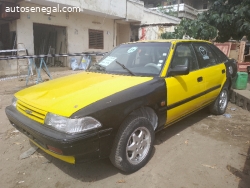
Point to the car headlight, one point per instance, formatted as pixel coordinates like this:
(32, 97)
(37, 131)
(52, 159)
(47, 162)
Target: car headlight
(14, 101)
(71, 126)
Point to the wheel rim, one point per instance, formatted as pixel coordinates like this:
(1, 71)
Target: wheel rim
(223, 100)
(138, 145)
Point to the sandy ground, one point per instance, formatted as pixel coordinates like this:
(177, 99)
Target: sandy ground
(200, 151)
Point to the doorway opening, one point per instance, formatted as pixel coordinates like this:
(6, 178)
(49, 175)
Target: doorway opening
(50, 39)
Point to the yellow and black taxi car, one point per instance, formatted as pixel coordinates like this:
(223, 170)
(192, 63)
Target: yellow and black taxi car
(115, 107)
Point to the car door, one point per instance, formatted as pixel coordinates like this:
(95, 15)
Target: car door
(213, 71)
(184, 91)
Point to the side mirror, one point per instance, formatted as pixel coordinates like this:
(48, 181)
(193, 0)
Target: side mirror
(180, 69)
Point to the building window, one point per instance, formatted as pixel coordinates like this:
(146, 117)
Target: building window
(205, 6)
(95, 39)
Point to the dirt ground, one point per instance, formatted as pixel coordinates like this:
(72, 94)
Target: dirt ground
(200, 151)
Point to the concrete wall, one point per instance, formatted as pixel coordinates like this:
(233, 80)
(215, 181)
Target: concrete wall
(123, 33)
(77, 25)
(8, 67)
(153, 32)
(135, 10)
(114, 8)
(97, 14)
(153, 17)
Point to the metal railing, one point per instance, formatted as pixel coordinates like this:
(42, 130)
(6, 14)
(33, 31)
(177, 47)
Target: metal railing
(182, 8)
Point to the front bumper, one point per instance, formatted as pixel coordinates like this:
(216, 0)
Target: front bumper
(75, 148)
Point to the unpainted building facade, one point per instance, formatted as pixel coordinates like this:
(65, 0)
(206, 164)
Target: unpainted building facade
(99, 26)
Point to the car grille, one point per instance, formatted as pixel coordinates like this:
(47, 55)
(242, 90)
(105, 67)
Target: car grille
(31, 112)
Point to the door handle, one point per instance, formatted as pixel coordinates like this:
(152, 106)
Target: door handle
(200, 79)
(223, 71)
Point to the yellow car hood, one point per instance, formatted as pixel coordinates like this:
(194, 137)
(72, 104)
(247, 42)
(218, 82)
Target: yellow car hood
(66, 95)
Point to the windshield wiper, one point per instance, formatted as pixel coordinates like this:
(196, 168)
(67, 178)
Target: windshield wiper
(99, 67)
(124, 67)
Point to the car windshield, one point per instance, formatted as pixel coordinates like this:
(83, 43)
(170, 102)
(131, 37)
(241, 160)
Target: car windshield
(140, 59)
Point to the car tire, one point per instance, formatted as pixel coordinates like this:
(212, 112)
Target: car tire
(133, 144)
(219, 106)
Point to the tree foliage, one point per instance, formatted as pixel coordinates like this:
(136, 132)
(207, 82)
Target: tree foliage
(193, 28)
(225, 18)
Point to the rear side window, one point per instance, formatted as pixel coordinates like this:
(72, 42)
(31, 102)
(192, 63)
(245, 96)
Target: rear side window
(222, 57)
(206, 57)
(184, 52)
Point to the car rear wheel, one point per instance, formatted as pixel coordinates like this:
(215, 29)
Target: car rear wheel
(133, 144)
(219, 106)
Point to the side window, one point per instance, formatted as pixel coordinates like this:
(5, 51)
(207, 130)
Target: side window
(222, 57)
(205, 55)
(183, 53)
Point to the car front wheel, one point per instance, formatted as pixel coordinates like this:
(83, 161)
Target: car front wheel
(219, 106)
(133, 144)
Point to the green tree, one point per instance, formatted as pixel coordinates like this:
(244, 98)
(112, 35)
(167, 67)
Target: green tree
(230, 17)
(224, 19)
(193, 28)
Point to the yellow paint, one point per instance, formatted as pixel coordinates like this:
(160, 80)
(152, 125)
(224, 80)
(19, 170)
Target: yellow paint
(37, 114)
(168, 40)
(66, 95)
(168, 60)
(68, 159)
(180, 88)
(213, 77)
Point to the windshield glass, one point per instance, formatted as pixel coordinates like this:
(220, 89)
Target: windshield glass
(142, 59)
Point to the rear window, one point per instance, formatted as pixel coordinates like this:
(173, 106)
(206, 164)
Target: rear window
(222, 57)
(205, 55)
